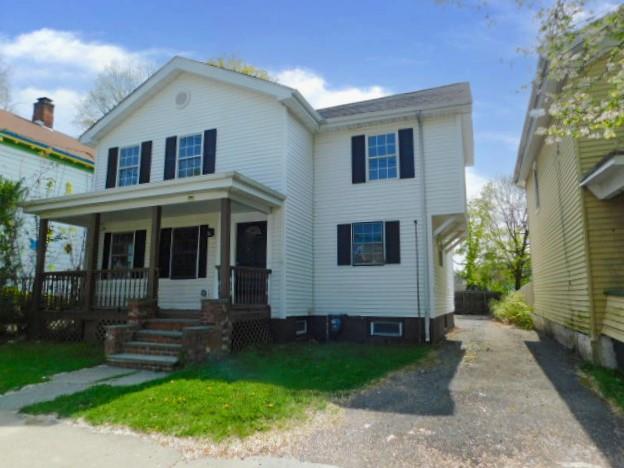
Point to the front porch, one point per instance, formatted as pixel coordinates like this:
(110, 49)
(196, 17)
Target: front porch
(171, 245)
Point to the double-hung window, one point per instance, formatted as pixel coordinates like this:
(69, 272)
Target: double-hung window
(128, 166)
(368, 243)
(122, 250)
(190, 155)
(184, 252)
(382, 156)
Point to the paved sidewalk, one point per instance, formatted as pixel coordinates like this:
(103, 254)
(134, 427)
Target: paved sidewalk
(72, 382)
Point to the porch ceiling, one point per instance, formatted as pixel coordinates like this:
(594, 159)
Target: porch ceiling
(606, 179)
(246, 194)
(449, 230)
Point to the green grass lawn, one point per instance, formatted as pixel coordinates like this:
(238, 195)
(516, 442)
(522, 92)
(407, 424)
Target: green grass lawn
(610, 383)
(248, 392)
(25, 363)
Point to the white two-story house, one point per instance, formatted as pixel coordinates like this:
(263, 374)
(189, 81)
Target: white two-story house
(213, 184)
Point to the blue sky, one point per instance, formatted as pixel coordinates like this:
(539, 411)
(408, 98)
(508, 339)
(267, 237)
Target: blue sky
(333, 51)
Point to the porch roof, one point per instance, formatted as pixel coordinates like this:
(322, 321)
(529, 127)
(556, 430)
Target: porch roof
(232, 185)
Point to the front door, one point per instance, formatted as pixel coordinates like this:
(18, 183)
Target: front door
(250, 285)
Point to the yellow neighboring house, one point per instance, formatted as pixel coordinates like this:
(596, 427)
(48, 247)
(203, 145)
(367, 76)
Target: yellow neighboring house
(576, 223)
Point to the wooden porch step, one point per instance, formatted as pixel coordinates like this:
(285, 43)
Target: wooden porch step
(144, 361)
(151, 348)
(159, 336)
(171, 323)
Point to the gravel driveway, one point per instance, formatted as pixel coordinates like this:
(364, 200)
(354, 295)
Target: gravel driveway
(498, 397)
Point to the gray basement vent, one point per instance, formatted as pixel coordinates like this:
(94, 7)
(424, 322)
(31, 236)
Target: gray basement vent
(301, 327)
(386, 328)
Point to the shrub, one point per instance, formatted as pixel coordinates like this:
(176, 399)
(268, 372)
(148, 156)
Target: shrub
(513, 310)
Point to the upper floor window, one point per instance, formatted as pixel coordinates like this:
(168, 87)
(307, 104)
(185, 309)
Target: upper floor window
(536, 183)
(368, 243)
(128, 166)
(382, 156)
(190, 155)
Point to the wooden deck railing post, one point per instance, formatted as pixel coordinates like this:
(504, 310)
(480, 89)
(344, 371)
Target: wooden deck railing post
(37, 293)
(154, 256)
(224, 233)
(93, 236)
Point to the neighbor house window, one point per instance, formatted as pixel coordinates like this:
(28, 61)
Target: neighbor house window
(536, 183)
(382, 156)
(122, 250)
(386, 328)
(368, 243)
(190, 156)
(184, 252)
(128, 166)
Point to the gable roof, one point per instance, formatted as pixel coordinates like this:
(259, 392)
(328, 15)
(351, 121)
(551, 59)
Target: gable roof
(456, 94)
(44, 137)
(290, 97)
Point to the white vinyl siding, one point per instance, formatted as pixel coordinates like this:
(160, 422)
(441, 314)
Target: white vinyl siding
(46, 178)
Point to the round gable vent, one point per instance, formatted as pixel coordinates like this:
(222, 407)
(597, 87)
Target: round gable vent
(182, 99)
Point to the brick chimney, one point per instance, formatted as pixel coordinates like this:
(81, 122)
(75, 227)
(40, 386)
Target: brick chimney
(43, 112)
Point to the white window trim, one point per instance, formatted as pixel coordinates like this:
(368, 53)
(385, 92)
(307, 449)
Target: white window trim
(536, 187)
(305, 328)
(110, 255)
(383, 242)
(389, 322)
(201, 154)
(138, 166)
(398, 160)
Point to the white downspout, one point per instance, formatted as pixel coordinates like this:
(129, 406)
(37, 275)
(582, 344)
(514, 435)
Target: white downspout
(425, 224)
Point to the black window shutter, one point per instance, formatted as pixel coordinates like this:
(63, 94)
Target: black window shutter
(406, 153)
(344, 244)
(164, 252)
(210, 151)
(146, 162)
(171, 146)
(203, 251)
(358, 159)
(111, 173)
(106, 252)
(139, 249)
(393, 242)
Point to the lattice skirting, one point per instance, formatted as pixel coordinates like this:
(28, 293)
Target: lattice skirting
(100, 328)
(62, 330)
(251, 332)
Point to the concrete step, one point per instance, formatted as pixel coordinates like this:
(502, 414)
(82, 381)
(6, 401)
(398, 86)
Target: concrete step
(143, 361)
(158, 336)
(179, 313)
(170, 323)
(154, 349)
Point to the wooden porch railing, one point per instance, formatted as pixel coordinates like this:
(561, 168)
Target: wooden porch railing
(113, 288)
(250, 286)
(62, 290)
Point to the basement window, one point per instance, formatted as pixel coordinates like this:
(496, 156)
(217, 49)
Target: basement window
(386, 328)
(301, 327)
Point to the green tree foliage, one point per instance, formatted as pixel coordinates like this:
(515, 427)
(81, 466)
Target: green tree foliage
(496, 251)
(11, 194)
(238, 65)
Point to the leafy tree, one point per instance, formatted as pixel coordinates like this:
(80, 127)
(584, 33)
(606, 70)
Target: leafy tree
(111, 86)
(238, 65)
(570, 41)
(11, 195)
(496, 253)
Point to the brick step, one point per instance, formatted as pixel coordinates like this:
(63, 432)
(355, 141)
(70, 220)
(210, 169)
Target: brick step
(151, 348)
(144, 361)
(179, 313)
(170, 323)
(158, 336)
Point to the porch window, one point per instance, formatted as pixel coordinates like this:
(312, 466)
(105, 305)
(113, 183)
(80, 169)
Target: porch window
(122, 250)
(190, 155)
(128, 166)
(184, 249)
(368, 243)
(382, 157)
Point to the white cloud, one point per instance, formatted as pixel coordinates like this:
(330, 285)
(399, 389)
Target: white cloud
(317, 91)
(474, 183)
(66, 48)
(508, 139)
(65, 102)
